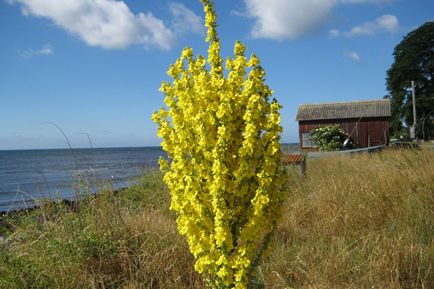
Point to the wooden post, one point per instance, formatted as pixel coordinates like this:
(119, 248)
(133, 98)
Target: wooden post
(413, 98)
(303, 166)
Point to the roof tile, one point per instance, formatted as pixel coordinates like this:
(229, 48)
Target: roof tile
(342, 110)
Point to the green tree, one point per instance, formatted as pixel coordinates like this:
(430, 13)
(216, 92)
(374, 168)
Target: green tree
(414, 60)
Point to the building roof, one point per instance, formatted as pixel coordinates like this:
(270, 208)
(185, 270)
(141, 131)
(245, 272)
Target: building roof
(342, 110)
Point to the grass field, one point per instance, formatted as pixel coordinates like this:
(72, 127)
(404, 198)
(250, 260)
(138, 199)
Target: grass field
(362, 221)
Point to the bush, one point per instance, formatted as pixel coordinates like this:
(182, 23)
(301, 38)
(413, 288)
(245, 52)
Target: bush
(330, 138)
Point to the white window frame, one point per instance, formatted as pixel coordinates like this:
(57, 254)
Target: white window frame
(306, 140)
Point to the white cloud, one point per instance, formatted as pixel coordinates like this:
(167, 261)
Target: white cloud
(185, 20)
(105, 23)
(334, 33)
(354, 56)
(388, 23)
(280, 19)
(29, 53)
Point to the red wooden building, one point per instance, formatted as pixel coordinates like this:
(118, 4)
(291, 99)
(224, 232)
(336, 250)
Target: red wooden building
(367, 122)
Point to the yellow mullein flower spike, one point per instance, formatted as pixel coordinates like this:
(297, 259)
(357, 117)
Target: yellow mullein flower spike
(221, 135)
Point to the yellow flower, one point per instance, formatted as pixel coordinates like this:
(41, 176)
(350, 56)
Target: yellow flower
(221, 135)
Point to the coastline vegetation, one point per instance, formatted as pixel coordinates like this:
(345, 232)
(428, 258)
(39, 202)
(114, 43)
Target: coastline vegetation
(359, 221)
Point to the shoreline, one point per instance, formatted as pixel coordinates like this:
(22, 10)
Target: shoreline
(72, 205)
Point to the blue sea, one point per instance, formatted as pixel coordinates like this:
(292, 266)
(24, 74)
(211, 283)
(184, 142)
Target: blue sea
(29, 175)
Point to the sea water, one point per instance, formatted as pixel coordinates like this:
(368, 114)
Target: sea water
(29, 175)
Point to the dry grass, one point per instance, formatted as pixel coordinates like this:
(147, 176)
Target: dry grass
(128, 240)
(364, 221)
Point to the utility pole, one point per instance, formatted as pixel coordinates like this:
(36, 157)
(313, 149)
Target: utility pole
(413, 128)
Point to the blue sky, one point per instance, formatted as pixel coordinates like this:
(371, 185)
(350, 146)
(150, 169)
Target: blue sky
(93, 67)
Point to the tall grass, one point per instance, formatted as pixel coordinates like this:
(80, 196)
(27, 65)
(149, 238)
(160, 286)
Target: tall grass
(364, 221)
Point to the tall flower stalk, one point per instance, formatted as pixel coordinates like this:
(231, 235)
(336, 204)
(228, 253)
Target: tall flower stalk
(221, 134)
